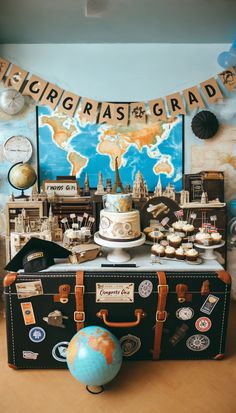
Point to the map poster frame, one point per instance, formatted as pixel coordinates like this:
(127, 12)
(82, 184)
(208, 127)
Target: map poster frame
(51, 158)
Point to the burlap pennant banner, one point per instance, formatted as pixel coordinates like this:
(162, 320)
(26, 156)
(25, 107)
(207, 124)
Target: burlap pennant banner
(90, 110)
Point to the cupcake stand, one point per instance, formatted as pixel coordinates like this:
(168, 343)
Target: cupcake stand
(118, 254)
(208, 253)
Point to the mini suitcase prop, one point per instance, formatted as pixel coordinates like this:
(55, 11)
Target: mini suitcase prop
(155, 315)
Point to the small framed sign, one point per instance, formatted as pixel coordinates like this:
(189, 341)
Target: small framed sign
(60, 187)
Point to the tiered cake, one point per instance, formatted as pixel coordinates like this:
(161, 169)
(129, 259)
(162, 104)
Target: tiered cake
(118, 222)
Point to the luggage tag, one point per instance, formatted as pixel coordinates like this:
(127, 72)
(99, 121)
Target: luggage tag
(209, 304)
(28, 313)
(179, 334)
(29, 289)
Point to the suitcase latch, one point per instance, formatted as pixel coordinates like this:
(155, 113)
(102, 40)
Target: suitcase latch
(63, 296)
(182, 293)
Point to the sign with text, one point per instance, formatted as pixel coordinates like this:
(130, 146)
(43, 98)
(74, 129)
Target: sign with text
(60, 188)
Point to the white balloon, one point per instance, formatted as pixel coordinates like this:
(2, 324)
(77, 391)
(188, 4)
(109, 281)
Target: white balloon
(11, 101)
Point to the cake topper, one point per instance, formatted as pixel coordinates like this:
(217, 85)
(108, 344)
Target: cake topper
(118, 183)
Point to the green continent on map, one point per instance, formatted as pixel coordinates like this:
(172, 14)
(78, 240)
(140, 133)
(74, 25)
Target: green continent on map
(116, 141)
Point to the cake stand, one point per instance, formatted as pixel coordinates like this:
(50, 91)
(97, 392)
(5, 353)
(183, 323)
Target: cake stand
(118, 254)
(209, 254)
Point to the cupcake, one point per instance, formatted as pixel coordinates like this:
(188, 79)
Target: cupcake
(174, 240)
(158, 250)
(170, 252)
(188, 229)
(191, 255)
(155, 236)
(204, 238)
(147, 230)
(216, 237)
(180, 254)
(178, 225)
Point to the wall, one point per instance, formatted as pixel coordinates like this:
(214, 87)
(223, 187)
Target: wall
(118, 72)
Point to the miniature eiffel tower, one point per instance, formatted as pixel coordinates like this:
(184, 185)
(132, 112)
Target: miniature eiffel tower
(118, 183)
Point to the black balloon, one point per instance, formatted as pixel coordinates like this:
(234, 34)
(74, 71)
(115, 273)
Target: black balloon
(205, 124)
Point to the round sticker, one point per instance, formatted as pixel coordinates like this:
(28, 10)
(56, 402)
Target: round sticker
(145, 288)
(185, 313)
(198, 342)
(37, 334)
(203, 324)
(130, 344)
(59, 351)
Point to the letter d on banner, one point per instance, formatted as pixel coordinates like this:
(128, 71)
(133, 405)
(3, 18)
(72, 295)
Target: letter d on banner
(211, 90)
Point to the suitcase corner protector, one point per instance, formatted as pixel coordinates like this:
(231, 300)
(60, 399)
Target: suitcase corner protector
(219, 356)
(224, 276)
(12, 366)
(9, 279)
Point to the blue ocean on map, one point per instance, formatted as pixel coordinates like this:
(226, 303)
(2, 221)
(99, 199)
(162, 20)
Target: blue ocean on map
(53, 159)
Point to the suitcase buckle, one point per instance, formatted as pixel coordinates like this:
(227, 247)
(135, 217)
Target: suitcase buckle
(77, 313)
(79, 286)
(163, 285)
(165, 317)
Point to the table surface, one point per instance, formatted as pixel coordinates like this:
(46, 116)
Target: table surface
(142, 258)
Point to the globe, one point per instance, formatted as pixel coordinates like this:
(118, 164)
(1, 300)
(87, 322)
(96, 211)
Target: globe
(94, 356)
(22, 176)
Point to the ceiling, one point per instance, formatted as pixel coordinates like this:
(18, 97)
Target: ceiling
(117, 21)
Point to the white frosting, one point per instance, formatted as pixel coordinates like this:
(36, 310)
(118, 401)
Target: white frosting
(179, 251)
(174, 238)
(216, 236)
(179, 224)
(188, 227)
(159, 249)
(192, 252)
(169, 250)
(119, 225)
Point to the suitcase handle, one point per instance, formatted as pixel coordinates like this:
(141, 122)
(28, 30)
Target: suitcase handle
(139, 314)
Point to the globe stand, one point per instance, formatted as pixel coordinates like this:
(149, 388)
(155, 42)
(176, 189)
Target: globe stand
(95, 389)
(22, 195)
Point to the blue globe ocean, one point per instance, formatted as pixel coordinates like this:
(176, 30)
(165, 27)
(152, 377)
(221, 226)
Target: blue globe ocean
(94, 356)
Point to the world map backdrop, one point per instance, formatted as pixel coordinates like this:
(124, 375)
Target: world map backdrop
(68, 147)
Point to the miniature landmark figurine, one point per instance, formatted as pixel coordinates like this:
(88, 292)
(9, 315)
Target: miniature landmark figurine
(118, 183)
(100, 188)
(184, 197)
(140, 189)
(86, 190)
(158, 189)
(204, 198)
(128, 188)
(169, 192)
(108, 185)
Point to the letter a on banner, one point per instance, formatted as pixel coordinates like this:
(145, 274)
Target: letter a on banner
(88, 110)
(68, 103)
(157, 109)
(16, 77)
(193, 98)
(228, 78)
(211, 90)
(175, 104)
(35, 87)
(114, 113)
(4, 65)
(51, 96)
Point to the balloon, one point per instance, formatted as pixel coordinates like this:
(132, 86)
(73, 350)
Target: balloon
(226, 59)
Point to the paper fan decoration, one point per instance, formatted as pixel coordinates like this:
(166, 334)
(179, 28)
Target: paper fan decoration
(11, 101)
(205, 124)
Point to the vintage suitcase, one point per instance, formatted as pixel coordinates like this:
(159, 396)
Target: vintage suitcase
(156, 315)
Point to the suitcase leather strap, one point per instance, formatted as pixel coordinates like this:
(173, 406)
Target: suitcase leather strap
(161, 313)
(79, 315)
